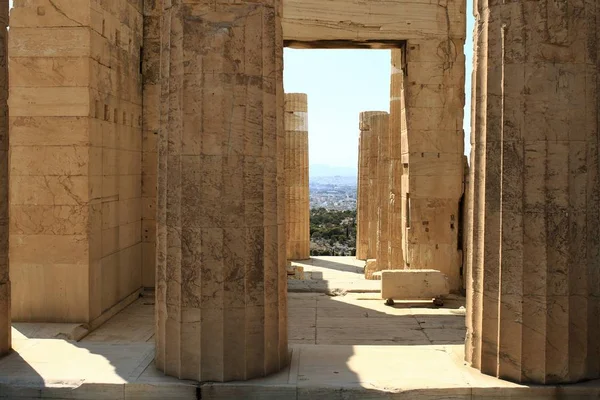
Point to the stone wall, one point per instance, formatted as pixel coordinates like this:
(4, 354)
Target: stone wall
(75, 127)
(432, 154)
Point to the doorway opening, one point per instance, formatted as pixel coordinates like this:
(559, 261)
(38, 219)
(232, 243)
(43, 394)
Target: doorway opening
(329, 298)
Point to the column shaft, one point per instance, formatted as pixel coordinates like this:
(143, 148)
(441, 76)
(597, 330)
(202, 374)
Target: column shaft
(5, 313)
(365, 229)
(296, 177)
(380, 124)
(221, 278)
(362, 197)
(372, 189)
(534, 291)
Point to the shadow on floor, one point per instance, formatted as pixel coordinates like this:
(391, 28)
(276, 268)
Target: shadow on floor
(354, 320)
(343, 328)
(333, 265)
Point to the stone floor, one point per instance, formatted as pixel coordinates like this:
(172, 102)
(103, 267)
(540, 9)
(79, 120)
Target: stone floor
(333, 275)
(363, 319)
(348, 347)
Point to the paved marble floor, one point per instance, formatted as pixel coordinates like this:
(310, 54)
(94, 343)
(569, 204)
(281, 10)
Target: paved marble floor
(363, 319)
(349, 346)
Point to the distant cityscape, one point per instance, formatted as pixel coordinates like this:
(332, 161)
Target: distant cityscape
(333, 192)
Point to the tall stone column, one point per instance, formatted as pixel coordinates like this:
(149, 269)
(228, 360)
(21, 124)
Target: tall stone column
(4, 276)
(380, 124)
(363, 195)
(432, 154)
(534, 292)
(396, 222)
(296, 177)
(361, 200)
(221, 279)
(370, 197)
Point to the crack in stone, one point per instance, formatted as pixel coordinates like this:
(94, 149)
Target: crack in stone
(61, 12)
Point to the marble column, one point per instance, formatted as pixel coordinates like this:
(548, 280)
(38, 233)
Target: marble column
(369, 199)
(4, 276)
(534, 280)
(380, 124)
(396, 227)
(362, 200)
(297, 198)
(221, 279)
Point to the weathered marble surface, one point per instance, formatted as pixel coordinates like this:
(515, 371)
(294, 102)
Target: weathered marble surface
(364, 250)
(381, 124)
(534, 281)
(413, 284)
(396, 222)
(221, 277)
(5, 336)
(75, 148)
(367, 202)
(432, 154)
(297, 197)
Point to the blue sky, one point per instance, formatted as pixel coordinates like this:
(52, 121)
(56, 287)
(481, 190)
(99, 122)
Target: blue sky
(342, 83)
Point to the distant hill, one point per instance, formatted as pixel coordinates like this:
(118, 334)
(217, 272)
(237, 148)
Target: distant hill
(321, 170)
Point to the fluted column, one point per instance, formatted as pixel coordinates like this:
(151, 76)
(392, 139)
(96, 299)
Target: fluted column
(372, 189)
(365, 207)
(396, 223)
(296, 177)
(380, 124)
(534, 292)
(4, 277)
(221, 278)
(362, 195)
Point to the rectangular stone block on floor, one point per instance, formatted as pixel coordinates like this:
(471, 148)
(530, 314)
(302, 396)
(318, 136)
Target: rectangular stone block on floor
(413, 284)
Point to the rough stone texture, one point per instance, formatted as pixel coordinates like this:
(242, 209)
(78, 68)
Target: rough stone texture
(297, 198)
(75, 148)
(367, 199)
(396, 223)
(413, 284)
(221, 263)
(380, 124)
(5, 337)
(432, 154)
(364, 250)
(362, 199)
(360, 21)
(370, 268)
(150, 130)
(533, 287)
(464, 227)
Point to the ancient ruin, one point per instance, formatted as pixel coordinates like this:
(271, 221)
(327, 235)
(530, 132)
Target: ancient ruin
(5, 303)
(147, 149)
(533, 288)
(368, 191)
(297, 199)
